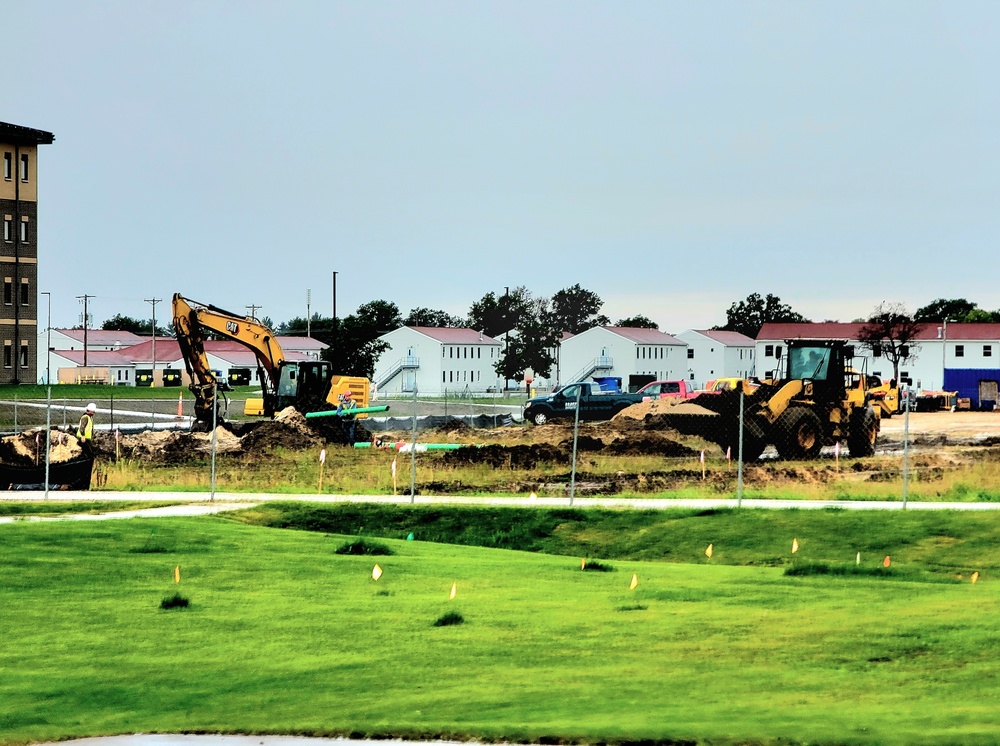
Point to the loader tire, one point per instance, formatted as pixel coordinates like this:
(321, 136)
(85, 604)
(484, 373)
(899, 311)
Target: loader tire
(863, 434)
(799, 434)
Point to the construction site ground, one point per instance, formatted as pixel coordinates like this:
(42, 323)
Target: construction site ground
(936, 440)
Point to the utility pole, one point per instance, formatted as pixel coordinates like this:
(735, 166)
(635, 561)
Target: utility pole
(308, 313)
(335, 299)
(253, 311)
(153, 301)
(86, 321)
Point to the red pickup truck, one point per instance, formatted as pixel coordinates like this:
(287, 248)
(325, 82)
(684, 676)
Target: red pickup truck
(667, 390)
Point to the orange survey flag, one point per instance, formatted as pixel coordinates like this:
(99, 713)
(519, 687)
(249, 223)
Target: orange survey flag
(886, 562)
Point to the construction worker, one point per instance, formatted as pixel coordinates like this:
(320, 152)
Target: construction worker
(85, 432)
(346, 403)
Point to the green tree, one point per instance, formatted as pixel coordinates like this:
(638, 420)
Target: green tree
(531, 345)
(431, 317)
(575, 309)
(944, 309)
(354, 344)
(122, 323)
(748, 316)
(889, 332)
(495, 314)
(637, 322)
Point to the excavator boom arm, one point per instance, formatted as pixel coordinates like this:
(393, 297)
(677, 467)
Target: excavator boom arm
(192, 322)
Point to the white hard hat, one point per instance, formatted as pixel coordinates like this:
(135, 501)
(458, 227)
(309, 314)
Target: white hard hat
(92, 407)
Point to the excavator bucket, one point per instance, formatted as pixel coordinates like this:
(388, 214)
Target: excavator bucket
(715, 417)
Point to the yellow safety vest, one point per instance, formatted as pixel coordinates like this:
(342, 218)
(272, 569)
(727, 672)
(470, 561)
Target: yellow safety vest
(85, 431)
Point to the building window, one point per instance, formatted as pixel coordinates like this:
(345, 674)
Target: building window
(8, 291)
(777, 350)
(959, 350)
(877, 351)
(8, 165)
(904, 351)
(24, 291)
(690, 354)
(444, 377)
(24, 167)
(479, 353)
(8, 228)
(451, 352)
(442, 351)
(987, 351)
(24, 230)
(768, 350)
(24, 354)
(8, 354)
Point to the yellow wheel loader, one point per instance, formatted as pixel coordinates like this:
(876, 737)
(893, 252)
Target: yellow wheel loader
(808, 408)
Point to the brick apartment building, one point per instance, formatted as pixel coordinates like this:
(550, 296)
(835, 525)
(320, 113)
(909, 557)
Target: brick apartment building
(19, 251)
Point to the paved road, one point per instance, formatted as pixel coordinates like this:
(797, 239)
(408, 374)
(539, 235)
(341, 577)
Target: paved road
(202, 504)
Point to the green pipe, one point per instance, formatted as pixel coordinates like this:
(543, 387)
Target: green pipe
(347, 412)
(420, 446)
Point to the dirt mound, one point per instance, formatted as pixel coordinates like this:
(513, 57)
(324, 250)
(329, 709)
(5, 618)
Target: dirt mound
(649, 446)
(506, 457)
(289, 429)
(28, 448)
(643, 408)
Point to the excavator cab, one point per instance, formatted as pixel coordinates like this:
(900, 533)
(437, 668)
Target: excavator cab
(303, 382)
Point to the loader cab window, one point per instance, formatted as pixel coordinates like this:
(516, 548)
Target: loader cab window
(809, 362)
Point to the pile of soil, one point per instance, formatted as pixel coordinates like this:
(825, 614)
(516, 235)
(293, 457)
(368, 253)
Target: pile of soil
(506, 457)
(289, 429)
(28, 448)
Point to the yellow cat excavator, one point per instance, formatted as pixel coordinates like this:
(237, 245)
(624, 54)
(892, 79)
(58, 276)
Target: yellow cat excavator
(306, 385)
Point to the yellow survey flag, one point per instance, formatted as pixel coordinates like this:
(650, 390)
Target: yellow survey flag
(532, 496)
(177, 574)
(376, 572)
(454, 590)
(634, 583)
(795, 545)
(975, 577)
(708, 552)
(583, 563)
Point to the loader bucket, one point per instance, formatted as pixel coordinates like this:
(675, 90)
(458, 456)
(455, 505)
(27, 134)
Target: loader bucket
(716, 417)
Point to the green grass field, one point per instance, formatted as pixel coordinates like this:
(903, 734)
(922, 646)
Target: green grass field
(284, 635)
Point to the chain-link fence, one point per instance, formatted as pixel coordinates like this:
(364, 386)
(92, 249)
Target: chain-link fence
(725, 444)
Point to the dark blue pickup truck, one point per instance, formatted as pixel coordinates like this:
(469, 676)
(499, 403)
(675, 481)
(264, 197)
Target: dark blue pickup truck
(595, 404)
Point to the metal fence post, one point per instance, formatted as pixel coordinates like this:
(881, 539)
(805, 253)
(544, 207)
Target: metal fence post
(48, 434)
(215, 418)
(906, 450)
(739, 458)
(15, 414)
(413, 450)
(576, 432)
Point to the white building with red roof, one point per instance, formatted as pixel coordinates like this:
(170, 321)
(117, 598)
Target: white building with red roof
(637, 356)
(715, 354)
(437, 360)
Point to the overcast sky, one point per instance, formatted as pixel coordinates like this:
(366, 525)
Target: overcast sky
(671, 156)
